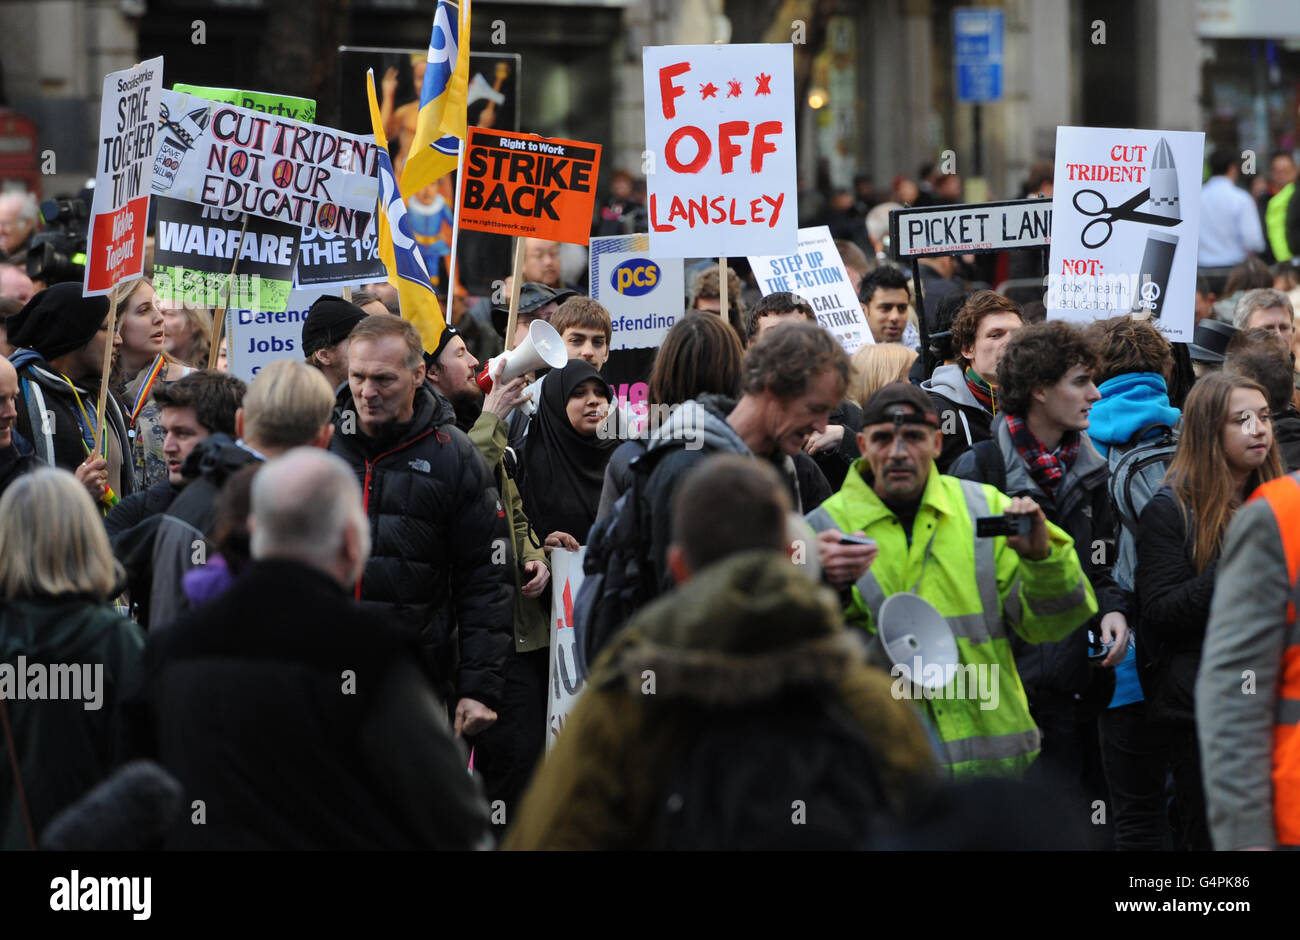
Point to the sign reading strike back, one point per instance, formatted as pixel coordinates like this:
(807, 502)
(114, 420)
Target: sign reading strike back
(228, 157)
(522, 184)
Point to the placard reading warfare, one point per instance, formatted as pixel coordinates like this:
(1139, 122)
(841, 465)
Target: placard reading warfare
(522, 184)
(228, 157)
(196, 246)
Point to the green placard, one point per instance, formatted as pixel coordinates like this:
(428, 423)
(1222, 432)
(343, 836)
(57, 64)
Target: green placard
(299, 109)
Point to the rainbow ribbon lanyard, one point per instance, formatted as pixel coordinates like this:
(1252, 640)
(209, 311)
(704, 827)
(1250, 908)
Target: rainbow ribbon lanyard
(88, 438)
(142, 395)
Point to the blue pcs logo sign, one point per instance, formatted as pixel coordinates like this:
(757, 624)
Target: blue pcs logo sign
(635, 277)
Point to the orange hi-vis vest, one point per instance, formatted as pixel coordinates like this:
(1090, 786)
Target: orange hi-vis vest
(1283, 496)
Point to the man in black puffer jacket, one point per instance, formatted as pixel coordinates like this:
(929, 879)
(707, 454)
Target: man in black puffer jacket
(1039, 449)
(441, 559)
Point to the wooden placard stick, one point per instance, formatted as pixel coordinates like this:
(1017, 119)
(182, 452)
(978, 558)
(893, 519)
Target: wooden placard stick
(514, 292)
(219, 316)
(101, 419)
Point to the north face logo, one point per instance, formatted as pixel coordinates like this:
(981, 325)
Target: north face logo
(420, 464)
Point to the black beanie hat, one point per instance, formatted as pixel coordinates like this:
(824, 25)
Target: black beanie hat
(329, 320)
(58, 320)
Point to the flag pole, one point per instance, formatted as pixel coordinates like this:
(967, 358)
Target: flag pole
(515, 275)
(455, 230)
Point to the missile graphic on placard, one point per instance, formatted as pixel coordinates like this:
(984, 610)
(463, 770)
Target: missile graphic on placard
(1163, 176)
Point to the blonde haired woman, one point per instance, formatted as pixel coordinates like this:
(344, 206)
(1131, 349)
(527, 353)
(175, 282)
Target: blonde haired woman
(142, 362)
(877, 365)
(187, 333)
(57, 575)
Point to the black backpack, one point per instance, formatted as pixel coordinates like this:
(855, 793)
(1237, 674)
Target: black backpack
(618, 570)
(793, 773)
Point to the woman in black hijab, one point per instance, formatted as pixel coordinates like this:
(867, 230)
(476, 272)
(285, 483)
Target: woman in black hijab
(564, 456)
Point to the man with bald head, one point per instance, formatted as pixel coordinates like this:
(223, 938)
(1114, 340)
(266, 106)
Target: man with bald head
(329, 734)
(16, 455)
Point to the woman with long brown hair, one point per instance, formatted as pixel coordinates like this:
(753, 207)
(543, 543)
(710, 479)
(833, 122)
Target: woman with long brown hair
(1225, 450)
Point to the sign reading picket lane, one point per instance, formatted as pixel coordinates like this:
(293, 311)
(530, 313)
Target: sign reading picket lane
(973, 228)
(127, 138)
(522, 184)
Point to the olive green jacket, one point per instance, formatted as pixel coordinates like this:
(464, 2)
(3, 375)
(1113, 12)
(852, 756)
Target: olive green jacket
(741, 631)
(532, 624)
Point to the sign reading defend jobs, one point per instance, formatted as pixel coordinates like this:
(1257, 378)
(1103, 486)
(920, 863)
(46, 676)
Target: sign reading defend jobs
(522, 184)
(1125, 226)
(128, 122)
(719, 126)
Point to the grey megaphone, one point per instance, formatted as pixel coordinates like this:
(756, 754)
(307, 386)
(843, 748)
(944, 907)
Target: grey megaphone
(914, 633)
(541, 347)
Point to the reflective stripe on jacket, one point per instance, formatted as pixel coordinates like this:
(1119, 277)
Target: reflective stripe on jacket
(981, 587)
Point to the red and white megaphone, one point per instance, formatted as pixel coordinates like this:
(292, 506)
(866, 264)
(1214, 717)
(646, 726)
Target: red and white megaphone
(541, 347)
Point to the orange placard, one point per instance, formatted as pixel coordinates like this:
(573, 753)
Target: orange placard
(522, 184)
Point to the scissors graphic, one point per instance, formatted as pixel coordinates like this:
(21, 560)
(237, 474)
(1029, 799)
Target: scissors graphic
(1091, 202)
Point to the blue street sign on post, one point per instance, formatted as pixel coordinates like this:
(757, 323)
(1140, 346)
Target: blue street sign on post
(977, 52)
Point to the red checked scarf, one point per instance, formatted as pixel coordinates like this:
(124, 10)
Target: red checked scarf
(1047, 468)
(982, 391)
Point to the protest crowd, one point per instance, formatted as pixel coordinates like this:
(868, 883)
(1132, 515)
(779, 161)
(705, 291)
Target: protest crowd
(991, 580)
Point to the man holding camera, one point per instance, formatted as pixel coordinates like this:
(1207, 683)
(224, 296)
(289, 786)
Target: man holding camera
(984, 586)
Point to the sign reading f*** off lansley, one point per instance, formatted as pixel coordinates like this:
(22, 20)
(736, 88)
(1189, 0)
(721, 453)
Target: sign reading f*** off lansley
(228, 157)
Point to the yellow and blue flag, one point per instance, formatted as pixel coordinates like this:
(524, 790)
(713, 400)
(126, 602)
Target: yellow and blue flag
(440, 127)
(397, 247)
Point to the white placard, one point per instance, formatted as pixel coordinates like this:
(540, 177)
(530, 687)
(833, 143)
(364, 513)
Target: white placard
(719, 124)
(971, 228)
(644, 295)
(816, 273)
(564, 686)
(128, 126)
(230, 157)
(256, 338)
(1125, 226)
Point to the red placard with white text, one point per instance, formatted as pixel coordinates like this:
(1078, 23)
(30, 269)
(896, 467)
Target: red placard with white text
(128, 125)
(719, 128)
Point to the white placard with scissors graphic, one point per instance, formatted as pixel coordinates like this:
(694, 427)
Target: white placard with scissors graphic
(1125, 219)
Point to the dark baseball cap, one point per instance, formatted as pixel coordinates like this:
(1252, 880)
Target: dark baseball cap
(532, 297)
(329, 320)
(899, 403)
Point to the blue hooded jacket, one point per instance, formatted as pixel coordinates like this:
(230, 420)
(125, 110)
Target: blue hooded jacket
(1129, 403)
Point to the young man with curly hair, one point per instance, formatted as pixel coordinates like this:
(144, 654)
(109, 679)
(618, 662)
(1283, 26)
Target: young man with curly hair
(965, 393)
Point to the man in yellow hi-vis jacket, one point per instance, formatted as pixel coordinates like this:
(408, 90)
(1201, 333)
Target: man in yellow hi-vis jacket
(924, 525)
